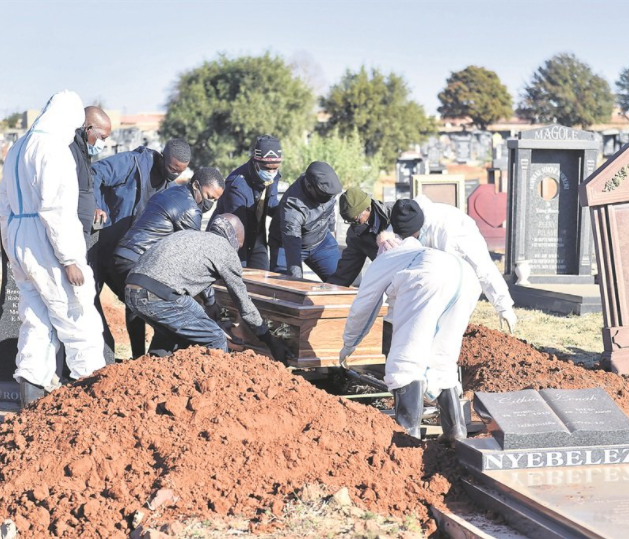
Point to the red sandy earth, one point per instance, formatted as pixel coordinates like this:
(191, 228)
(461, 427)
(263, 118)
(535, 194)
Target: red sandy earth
(233, 434)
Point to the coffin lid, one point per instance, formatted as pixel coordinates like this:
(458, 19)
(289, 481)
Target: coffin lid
(608, 184)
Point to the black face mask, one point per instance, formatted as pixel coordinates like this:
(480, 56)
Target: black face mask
(168, 176)
(206, 205)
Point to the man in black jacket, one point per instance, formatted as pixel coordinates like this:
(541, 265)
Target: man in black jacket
(301, 227)
(251, 195)
(176, 208)
(367, 218)
(89, 140)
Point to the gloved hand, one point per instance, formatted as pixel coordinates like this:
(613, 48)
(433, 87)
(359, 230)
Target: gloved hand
(509, 318)
(345, 353)
(278, 349)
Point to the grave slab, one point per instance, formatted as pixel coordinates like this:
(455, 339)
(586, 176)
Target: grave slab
(583, 502)
(562, 298)
(556, 418)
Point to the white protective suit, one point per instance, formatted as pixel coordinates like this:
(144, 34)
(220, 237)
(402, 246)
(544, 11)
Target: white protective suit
(435, 294)
(449, 229)
(42, 234)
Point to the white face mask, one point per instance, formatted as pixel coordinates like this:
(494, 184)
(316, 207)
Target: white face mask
(98, 147)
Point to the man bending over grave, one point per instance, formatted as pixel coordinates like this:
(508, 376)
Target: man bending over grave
(448, 229)
(432, 295)
(162, 286)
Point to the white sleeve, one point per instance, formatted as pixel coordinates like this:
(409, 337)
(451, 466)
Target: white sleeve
(474, 250)
(366, 306)
(57, 183)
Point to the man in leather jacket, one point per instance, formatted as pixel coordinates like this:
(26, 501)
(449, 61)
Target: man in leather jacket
(367, 218)
(302, 225)
(178, 208)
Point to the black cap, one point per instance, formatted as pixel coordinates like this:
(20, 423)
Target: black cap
(267, 149)
(406, 217)
(323, 179)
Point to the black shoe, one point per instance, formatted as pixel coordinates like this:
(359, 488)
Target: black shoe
(451, 413)
(409, 407)
(29, 392)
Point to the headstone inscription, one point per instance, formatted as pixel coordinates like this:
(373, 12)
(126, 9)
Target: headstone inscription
(9, 331)
(606, 193)
(547, 232)
(551, 427)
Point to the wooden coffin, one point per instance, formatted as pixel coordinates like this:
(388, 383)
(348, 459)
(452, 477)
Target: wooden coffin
(308, 315)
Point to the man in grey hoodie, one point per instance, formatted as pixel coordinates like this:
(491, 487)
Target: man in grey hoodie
(162, 287)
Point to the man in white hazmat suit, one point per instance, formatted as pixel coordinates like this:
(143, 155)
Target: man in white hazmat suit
(435, 294)
(449, 229)
(43, 238)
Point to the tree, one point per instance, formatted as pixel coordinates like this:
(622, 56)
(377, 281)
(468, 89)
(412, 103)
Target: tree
(567, 91)
(12, 120)
(221, 106)
(345, 155)
(622, 87)
(476, 93)
(379, 107)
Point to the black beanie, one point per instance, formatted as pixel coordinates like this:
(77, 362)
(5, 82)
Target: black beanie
(406, 217)
(323, 179)
(267, 149)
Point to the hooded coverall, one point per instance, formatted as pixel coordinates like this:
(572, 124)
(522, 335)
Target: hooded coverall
(435, 294)
(449, 229)
(42, 234)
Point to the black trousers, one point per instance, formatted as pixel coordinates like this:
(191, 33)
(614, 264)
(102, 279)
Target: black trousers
(259, 257)
(136, 327)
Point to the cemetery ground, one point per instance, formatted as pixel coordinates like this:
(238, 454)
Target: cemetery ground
(148, 451)
(146, 425)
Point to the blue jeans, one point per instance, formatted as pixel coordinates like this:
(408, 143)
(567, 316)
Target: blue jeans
(182, 322)
(321, 259)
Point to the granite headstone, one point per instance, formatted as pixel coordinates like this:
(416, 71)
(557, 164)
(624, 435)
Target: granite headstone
(553, 418)
(9, 331)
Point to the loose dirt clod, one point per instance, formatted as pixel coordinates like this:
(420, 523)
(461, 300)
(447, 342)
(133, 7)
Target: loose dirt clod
(235, 435)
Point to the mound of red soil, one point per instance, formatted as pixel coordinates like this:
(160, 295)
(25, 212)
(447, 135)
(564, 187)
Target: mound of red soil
(226, 433)
(493, 361)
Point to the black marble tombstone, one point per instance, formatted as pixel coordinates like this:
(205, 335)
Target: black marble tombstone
(9, 332)
(549, 239)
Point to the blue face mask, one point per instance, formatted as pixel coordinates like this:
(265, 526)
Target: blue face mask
(267, 176)
(98, 147)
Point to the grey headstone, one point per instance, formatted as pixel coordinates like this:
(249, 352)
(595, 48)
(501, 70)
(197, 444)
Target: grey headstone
(591, 415)
(521, 419)
(9, 331)
(553, 418)
(9, 321)
(555, 132)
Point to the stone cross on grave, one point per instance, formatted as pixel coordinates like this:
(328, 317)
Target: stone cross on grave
(606, 193)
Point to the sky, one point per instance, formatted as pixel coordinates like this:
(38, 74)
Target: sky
(127, 54)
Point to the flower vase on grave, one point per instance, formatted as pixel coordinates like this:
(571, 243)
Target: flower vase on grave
(523, 272)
